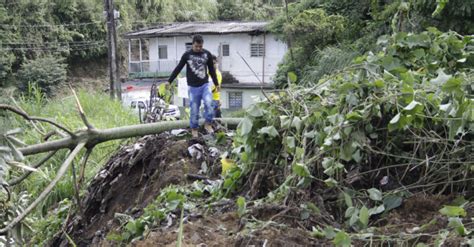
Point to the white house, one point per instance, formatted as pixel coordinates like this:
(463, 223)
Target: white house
(248, 55)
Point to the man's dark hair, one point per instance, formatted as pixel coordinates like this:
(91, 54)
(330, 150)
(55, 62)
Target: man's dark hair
(198, 39)
(214, 58)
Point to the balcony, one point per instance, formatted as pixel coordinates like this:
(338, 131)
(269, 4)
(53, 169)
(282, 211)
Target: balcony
(149, 69)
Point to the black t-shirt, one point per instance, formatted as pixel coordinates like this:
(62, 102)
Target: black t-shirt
(197, 64)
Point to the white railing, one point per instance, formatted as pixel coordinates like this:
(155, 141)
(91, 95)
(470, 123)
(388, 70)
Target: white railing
(155, 67)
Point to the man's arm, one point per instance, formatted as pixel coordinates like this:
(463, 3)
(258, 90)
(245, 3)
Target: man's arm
(212, 71)
(178, 68)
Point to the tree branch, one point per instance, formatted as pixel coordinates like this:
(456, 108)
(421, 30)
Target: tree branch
(17, 180)
(84, 160)
(81, 111)
(47, 190)
(93, 137)
(33, 118)
(76, 188)
(42, 132)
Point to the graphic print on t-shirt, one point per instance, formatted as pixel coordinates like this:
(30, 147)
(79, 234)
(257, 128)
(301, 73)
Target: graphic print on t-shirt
(197, 64)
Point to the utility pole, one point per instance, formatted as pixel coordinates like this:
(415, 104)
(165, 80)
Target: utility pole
(114, 74)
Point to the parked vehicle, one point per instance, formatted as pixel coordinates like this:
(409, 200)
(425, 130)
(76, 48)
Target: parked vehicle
(149, 107)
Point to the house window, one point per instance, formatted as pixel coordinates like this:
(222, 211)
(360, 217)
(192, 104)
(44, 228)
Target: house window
(235, 100)
(139, 50)
(163, 52)
(225, 50)
(257, 50)
(145, 43)
(189, 46)
(135, 50)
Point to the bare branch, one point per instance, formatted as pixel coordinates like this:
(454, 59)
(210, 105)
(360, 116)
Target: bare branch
(42, 132)
(81, 111)
(98, 136)
(62, 170)
(52, 133)
(76, 188)
(17, 180)
(33, 118)
(84, 160)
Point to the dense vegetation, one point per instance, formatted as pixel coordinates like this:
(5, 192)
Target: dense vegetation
(378, 106)
(74, 31)
(324, 35)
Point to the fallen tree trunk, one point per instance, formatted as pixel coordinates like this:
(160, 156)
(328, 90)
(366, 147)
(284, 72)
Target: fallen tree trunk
(89, 138)
(93, 137)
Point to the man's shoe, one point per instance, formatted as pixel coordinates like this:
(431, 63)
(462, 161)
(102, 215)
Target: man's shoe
(209, 128)
(195, 133)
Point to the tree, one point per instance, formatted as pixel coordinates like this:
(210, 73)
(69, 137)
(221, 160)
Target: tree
(11, 154)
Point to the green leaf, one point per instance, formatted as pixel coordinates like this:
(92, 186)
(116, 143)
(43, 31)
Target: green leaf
(317, 232)
(347, 151)
(269, 130)
(347, 199)
(292, 77)
(342, 239)
(357, 156)
(241, 206)
(375, 194)
(349, 212)
(379, 84)
(162, 90)
(290, 142)
(353, 116)
(439, 7)
(453, 211)
(418, 40)
(377, 210)
(441, 78)
(255, 111)
(452, 85)
(330, 182)
(364, 216)
(245, 126)
(392, 64)
(421, 245)
(412, 105)
(329, 232)
(297, 123)
(390, 202)
(457, 224)
(285, 122)
(395, 119)
(354, 217)
(301, 170)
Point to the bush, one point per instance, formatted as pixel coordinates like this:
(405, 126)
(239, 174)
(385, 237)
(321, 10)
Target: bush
(46, 72)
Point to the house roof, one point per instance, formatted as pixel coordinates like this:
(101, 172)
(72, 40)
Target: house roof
(190, 28)
(248, 85)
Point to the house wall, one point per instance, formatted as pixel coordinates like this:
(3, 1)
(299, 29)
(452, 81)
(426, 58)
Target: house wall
(264, 67)
(249, 97)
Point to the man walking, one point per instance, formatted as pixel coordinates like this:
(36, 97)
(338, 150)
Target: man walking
(198, 62)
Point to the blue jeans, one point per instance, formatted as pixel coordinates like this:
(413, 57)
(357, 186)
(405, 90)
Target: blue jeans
(196, 94)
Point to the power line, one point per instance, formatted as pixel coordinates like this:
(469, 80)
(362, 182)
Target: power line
(54, 42)
(63, 48)
(50, 25)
